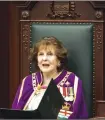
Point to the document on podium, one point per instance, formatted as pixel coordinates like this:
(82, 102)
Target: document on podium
(48, 108)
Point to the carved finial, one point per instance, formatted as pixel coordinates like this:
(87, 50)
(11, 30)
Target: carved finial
(25, 14)
(99, 14)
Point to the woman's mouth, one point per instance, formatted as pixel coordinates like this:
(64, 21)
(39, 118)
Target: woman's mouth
(45, 65)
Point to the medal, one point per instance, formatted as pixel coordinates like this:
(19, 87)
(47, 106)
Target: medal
(66, 106)
(38, 88)
(66, 98)
(71, 98)
(70, 94)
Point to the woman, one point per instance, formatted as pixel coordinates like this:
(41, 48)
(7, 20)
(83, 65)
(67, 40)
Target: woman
(50, 57)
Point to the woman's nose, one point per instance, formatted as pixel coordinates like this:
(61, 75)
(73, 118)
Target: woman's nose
(44, 57)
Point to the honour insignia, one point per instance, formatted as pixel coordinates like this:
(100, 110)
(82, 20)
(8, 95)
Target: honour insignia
(66, 106)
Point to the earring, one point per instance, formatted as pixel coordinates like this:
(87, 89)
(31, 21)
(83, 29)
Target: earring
(59, 64)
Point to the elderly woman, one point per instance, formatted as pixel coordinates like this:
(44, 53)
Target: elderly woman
(50, 58)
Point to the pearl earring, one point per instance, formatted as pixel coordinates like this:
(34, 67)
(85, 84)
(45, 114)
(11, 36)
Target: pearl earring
(59, 64)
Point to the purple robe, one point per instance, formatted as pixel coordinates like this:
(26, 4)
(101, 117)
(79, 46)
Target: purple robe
(64, 81)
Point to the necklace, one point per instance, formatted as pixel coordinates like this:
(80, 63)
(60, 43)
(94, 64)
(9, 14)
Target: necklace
(39, 88)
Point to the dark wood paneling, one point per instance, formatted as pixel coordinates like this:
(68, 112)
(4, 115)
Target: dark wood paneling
(100, 111)
(104, 54)
(99, 61)
(14, 46)
(4, 54)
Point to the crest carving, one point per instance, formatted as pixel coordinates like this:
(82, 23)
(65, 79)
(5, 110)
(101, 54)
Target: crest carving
(62, 10)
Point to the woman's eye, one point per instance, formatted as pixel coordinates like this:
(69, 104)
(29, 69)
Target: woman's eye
(40, 54)
(49, 53)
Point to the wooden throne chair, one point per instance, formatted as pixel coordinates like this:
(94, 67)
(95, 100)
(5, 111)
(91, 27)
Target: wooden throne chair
(81, 32)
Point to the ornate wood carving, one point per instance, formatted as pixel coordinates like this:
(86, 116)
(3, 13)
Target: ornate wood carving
(63, 10)
(99, 60)
(25, 14)
(24, 49)
(25, 36)
(99, 14)
(98, 36)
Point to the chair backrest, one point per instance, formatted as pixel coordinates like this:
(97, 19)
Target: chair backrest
(78, 39)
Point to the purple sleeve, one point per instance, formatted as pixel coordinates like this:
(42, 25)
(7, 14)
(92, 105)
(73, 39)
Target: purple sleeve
(79, 106)
(26, 89)
(14, 104)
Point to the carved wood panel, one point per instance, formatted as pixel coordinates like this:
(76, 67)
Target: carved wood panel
(25, 47)
(99, 60)
(66, 10)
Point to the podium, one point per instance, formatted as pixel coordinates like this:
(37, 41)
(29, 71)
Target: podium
(48, 108)
(19, 114)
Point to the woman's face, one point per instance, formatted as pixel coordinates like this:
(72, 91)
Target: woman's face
(47, 59)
